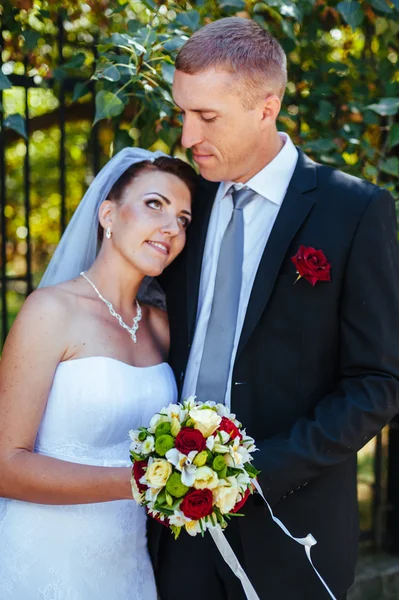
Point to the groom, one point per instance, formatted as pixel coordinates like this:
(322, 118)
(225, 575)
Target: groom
(285, 304)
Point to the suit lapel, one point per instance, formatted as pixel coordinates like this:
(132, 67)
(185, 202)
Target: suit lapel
(195, 247)
(294, 210)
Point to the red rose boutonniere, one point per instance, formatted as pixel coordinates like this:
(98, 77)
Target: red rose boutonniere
(312, 265)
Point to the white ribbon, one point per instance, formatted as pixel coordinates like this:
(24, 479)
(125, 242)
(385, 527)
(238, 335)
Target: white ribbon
(227, 552)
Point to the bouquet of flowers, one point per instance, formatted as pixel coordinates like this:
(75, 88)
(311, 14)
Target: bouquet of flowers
(192, 466)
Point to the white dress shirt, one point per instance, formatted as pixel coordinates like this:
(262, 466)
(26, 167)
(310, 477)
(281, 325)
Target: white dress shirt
(270, 185)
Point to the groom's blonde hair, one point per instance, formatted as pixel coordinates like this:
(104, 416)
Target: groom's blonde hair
(242, 47)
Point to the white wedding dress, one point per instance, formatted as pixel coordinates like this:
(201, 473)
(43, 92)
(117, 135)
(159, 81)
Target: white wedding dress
(86, 551)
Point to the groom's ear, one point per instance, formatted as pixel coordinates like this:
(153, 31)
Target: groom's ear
(105, 213)
(271, 106)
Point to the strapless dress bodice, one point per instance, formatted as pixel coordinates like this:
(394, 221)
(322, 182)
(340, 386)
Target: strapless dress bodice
(93, 404)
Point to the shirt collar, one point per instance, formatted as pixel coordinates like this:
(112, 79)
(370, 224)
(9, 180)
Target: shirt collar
(272, 181)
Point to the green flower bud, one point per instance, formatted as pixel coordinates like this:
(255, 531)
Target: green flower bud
(142, 436)
(222, 474)
(189, 423)
(164, 443)
(162, 429)
(218, 463)
(175, 426)
(175, 487)
(169, 499)
(201, 458)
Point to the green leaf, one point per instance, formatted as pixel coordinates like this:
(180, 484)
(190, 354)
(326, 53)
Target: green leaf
(321, 145)
(123, 39)
(381, 6)
(107, 105)
(150, 4)
(352, 12)
(108, 72)
(31, 38)
(120, 8)
(394, 135)
(17, 123)
(76, 62)
(175, 530)
(238, 4)
(190, 19)
(5, 83)
(104, 48)
(80, 89)
(385, 107)
(291, 10)
(133, 25)
(370, 171)
(175, 43)
(325, 113)
(391, 166)
(59, 73)
(168, 71)
(288, 28)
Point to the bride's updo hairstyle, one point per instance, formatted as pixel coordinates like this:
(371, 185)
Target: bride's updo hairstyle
(164, 164)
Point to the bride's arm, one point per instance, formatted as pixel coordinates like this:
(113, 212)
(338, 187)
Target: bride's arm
(36, 344)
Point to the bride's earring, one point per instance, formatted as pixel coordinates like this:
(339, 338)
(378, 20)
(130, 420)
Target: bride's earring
(108, 233)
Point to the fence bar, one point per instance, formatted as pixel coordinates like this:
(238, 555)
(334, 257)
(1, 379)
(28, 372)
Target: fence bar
(378, 499)
(4, 312)
(393, 487)
(95, 131)
(62, 130)
(27, 187)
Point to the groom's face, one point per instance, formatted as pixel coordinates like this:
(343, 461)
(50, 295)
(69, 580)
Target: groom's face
(225, 137)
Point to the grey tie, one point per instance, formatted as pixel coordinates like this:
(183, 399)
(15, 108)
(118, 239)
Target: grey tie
(219, 340)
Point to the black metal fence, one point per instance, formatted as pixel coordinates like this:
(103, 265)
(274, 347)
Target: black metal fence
(382, 528)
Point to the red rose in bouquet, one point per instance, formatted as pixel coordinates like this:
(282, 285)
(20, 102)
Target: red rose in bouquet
(197, 504)
(189, 439)
(229, 427)
(138, 472)
(241, 502)
(312, 265)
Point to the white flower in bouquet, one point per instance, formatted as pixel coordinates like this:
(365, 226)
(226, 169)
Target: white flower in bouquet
(157, 473)
(193, 527)
(136, 447)
(237, 455)
(148, 445)
(205, 420)
(151, 494)
(205, 477)
(226, 494)
(137, 495)
(248, 442)
(184, 464)
(178, 519)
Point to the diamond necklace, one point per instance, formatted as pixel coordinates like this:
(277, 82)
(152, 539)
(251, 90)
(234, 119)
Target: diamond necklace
(132, 330)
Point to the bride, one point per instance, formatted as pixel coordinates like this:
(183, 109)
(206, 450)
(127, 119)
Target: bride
(85, 362)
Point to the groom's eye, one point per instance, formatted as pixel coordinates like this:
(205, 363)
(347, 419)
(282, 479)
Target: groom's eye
(208, 119)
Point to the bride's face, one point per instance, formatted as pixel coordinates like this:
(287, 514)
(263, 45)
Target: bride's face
(149, 222)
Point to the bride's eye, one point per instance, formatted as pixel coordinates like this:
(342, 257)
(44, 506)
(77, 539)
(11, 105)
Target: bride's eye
(156, 204)
(184, 221)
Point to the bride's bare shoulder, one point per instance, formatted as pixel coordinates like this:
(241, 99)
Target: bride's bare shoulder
(55, 301)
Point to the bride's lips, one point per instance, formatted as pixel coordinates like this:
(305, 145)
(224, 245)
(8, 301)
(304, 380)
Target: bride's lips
(162, 247)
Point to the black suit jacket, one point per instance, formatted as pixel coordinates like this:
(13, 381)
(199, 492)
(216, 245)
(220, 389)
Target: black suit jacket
(316, 373)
